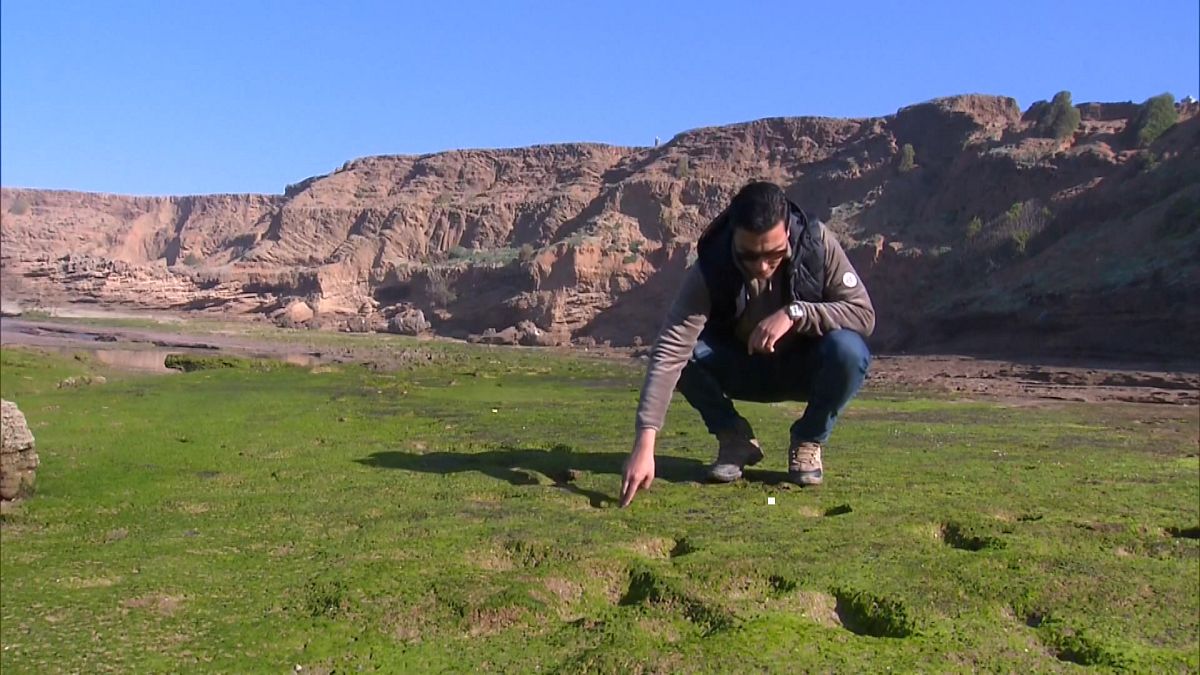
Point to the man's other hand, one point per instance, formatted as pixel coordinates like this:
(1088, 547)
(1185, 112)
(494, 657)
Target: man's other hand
(768, 331)
(639, 468)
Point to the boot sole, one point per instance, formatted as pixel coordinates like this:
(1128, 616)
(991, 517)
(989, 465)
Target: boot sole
(731, 478)
(806, 479)
(728, 478)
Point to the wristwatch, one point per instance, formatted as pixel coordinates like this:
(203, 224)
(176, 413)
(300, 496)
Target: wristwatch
(795, 312)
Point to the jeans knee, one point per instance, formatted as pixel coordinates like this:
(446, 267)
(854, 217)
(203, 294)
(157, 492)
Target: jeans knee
(845, 350)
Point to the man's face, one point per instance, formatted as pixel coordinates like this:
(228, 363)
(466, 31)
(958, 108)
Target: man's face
(760, 254)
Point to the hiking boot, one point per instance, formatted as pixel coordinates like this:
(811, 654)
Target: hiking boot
(804, 463)
(737, 449)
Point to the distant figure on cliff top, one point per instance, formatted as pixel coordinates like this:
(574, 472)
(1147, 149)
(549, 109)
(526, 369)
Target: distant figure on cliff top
(771, 311)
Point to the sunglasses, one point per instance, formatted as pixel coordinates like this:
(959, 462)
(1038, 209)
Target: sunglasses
(766, 256)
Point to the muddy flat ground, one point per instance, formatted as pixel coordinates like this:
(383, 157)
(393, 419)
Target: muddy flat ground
(142, 348)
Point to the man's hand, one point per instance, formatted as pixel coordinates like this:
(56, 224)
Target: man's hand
(768, 332)
(639, 468)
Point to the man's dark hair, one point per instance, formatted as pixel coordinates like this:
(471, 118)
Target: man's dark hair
(758, 207)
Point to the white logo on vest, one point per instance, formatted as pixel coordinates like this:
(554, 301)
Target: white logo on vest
(849, 280)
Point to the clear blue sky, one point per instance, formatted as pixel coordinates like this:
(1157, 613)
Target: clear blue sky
(200, 96)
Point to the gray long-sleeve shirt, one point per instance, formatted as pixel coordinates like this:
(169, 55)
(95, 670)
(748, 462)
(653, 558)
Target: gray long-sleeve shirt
(847, 306)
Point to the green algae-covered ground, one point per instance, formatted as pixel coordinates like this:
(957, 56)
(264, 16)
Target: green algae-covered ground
(459, 514)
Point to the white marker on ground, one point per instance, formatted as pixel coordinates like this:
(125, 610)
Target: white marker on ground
(770, 501)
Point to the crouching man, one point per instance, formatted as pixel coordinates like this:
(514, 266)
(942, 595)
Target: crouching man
(771, 311)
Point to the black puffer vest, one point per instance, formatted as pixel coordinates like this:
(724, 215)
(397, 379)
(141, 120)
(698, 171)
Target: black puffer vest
(804, 270)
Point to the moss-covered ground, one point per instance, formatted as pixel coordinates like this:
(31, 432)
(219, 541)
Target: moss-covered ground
(459, 514)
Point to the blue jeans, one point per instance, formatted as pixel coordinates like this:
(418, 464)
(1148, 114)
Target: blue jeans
(826, 371)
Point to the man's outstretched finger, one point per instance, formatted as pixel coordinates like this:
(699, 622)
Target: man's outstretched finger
(627, 493)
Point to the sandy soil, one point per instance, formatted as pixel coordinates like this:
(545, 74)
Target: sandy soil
(962, 375)
(1032, 381)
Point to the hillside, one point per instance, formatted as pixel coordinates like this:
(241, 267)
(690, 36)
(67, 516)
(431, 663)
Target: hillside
(998, 239)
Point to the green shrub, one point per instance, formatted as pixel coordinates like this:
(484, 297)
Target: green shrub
(495, 256)
(1149, 161)
(1061, 118)
(1037, 111)
(907, 158)
(1157, 115)
(1066, 124)
(526, 253)
(189, 363)
(19, 207)
(974, 227)
(192, 260)
(1021, 239)
(1023, 221)
(485, 256)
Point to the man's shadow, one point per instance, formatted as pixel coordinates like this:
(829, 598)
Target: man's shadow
(519, 466)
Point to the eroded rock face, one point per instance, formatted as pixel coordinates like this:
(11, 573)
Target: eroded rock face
(18, 458)
(588, 240)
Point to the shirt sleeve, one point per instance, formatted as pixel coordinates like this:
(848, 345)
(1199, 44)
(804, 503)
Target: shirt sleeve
(673, 348)
(847, 304)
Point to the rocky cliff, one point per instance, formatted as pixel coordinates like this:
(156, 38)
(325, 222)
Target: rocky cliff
(993, 238)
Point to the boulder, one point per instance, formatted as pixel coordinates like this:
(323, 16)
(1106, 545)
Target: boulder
(297, 313)
(76, 381)
(357, 324)
(509, 336)
(530, 335)
(408, 322)
(18, 458)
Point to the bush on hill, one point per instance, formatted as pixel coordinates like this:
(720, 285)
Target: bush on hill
(1156, 116)
(1060, 118)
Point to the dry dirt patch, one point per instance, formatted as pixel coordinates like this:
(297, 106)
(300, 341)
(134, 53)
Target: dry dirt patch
(159, 603)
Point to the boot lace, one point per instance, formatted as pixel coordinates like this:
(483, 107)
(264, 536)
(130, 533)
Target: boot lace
(803, 453)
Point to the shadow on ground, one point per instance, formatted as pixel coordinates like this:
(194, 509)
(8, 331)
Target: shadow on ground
(528, 466)
(768, 477)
